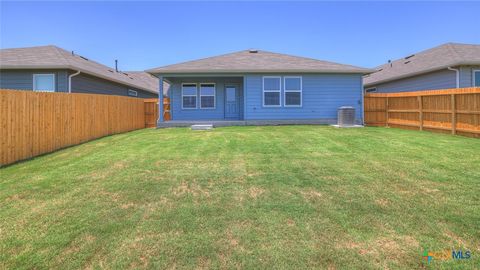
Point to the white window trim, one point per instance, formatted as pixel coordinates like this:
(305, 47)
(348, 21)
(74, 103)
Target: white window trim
(196, 96)
(132, 91)
(272, 91)
(366, 90)
(214, 97)
(474, 72)
(43, 74)
(295, 91)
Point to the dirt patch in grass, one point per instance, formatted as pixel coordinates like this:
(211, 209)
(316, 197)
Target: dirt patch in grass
(190, 188)
(456, 240)
(311, 195)
(429, 190)
(152, 208)
(109, 195)
(141, 248)
(14, 197)
(290, 222)
(248, 194)
(75, 246)
(255, 192)
(120, 164)
(393, 247)
(142, 260)
(232, 240)
(127, 205)
(382, 202)
(203, 263)
(105, 172)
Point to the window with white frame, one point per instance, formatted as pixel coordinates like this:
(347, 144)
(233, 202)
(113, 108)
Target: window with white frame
(207, 96)
(476, 78)
(44, 82)
(132, 93)
(189, 96)
(293, 91)
(271, 91)
(371, 90)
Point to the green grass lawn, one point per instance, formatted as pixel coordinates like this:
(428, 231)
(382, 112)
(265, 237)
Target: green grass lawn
(245, 197)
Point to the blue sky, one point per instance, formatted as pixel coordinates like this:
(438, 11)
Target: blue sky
(143, 35)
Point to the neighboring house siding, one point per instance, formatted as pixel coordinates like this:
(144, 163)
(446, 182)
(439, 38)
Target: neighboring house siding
(434, 80)
(175, 93)
(466, 75)
(84, 83)
(322, 94)
(23, 79)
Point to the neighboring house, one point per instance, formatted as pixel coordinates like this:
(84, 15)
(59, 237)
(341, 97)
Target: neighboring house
(52, 69)
(260, 87)
(451, 65)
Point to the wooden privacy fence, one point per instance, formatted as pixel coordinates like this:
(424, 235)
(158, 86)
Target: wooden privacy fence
(34, 123)
(151, 111)
(455, 111)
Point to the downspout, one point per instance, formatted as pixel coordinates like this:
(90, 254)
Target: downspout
(457, 72)
(160, 101)
(363, 103)
(70, 80)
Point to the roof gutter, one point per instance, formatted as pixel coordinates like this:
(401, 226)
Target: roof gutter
(457, 74)
(70, 80)
(463, 63)
(233, 71)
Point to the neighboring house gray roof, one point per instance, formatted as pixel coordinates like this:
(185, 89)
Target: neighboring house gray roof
(443, 56)
(52, 57)
(148, 79)
(256, 61)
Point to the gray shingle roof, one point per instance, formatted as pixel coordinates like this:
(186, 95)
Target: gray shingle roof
(261, 61)
(52, 57)
(148, 79)
(443, 56)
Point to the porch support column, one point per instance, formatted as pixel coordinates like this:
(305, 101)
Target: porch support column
(160, 100)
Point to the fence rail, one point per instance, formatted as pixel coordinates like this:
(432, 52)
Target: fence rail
(455, 111)
(34, 123)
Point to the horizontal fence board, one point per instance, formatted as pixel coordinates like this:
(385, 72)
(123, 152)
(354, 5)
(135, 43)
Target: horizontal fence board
(35, 123)
(448, 110)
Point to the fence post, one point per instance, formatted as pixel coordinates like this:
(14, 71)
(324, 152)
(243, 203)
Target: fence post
(420, 111)
(454, 115)
(386, 111)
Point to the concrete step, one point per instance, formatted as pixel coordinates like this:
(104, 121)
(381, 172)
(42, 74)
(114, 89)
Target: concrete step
(202, 127)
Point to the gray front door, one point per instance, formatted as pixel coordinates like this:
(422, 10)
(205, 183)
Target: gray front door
(232, 110)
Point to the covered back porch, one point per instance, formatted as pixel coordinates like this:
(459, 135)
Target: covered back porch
(199, 98)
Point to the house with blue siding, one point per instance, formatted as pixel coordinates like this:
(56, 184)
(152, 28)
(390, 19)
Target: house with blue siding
(260, 87)
(53, 69)
(451, 65)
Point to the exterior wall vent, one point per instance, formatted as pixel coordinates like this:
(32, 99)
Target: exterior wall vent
(346, 116)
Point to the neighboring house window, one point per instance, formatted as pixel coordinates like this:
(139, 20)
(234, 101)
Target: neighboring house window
(132, 93)
(44, 82)
(207, 95)
(476, 78)
(370, 90)
(189, 96)
(293, 91)
(271, 91)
